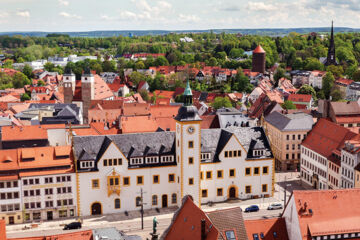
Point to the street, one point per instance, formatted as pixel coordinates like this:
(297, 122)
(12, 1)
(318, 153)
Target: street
(132, 225)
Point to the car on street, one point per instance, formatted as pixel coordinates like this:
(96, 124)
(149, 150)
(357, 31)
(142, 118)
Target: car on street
(274, 206)
(73, 225)
(252, 208)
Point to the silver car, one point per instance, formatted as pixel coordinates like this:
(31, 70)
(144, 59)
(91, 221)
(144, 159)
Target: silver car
(274, 206)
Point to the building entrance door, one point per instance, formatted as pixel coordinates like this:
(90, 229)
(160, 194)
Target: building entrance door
(49, 215)
(164, 201)
(96, 209)
(232, 192)
(11, 220)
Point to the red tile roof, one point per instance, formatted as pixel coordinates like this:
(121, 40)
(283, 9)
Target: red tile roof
(101, 89)
(333, 212)
(326, 136)
(259, 49)
(344, 81)
(15, 133)
(306, 98)
(137, 124)
(267, 227)
(81, 235)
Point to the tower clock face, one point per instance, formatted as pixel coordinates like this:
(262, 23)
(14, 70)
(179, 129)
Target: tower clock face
(191, 129)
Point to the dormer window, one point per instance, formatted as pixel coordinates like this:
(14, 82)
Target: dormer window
(149, 160)
(205, 156)
(136, 160)
(165, 159)
(86, 164)
(258, 153)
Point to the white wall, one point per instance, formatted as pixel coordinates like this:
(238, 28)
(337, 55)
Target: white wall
(292, 220)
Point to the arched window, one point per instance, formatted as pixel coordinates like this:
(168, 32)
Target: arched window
(117, 203)
(138, 201)
(154, 200)
(173, 198)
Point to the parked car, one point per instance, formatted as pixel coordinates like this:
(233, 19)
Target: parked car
(252, 208)
(274, 206)
(73, 225)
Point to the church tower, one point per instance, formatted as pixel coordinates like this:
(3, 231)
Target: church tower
(69, 80)
(331, 59)
(188, 148)
(87, 91)
(258, 60)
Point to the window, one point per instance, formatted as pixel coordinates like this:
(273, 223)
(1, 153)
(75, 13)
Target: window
(154, 200)
(219, 192)
(173, 198)
(37, 215)
(287, 137)
(191, 144)
(204, 193)
(220, 174)
(95, 183)
(139, 180)
(191, 160)
(105, 162)
(256, 236)
(208, 175)
(62, 213)
(230, 235)
(247, 189)
(172, 177)
(191, 181)
(232, 172)
(117, 203)
(256, 170)
(265, 170)
(247, 171)
(138, 201)
(201, 175)
(264, 187)
(156, 179)
(126, 181)
(113, 180)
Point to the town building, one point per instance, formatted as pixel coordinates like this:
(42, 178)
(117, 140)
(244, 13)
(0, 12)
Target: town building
(259, 60)
(342, 84)
(315, 78)
(322, 143)
(326, 214)
(266, 229)
(301, 101)
(286, 132)
(353, 91)
(211, 165)
(300, 77)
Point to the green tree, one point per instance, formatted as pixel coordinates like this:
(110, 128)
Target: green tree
(27, 70)
(307, 89)
(161, 61)
(320, 94)
(337, 71)
(25, 97)
(220, 102)
(144, 94)
(336, 95)
(40, 83)
(20, 80)
(49, 66)
(327, 84)
(279, 73)
(241, 82)
(8, 63)
(298, 64)
(236, 53)
(140, 65)
(288, 105)
(356, 76)
(313, 64)
(212, 62)
(136, 77)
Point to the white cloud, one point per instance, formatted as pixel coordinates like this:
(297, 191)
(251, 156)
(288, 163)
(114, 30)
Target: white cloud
(23, 13)
(261, 6)
(68, 15)
(63, 3)
(188, 18)
(4, 14)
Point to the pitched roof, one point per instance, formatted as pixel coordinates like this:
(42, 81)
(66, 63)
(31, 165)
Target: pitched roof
(101, 89)
(81, 235)
(300, 98)
(9, 98)
(290, 122)
(326, 136)
(268, 227)
(15, 133)
(345, 108)
(259, 49)
(137, 124)
(228, 219)
(332, 211)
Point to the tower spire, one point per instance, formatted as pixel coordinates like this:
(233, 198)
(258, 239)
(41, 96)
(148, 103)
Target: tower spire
(187, 94)
(331, 59)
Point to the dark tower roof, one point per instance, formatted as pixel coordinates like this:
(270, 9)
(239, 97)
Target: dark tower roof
(331, 58)
(68, 71)
(188, 112)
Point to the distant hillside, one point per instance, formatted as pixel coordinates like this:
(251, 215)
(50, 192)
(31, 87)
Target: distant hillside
(263, 31)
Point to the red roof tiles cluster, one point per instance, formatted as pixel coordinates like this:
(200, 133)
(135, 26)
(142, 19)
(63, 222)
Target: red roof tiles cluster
(267, 229)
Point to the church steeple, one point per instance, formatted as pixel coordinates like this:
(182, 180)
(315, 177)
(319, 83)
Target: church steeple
(331, 59)
(188, 95)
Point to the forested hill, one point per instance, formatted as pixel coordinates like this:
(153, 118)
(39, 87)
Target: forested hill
(263, 31)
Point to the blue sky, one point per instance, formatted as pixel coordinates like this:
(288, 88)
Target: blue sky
(84, 15)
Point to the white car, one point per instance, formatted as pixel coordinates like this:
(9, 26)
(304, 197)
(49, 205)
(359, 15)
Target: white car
(274, 206)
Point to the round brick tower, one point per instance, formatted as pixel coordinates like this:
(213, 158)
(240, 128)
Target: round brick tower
(258, 60)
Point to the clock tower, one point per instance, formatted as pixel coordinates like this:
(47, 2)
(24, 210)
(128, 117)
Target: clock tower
(188, 148)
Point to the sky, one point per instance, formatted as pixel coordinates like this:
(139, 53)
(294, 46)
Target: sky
(88, 15)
